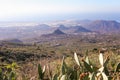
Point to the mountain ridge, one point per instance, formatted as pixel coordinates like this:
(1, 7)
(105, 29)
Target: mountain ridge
(104, 26)
(100, 26)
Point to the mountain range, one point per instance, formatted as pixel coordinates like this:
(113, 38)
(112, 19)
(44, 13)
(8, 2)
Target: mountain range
(103, 26)
(64, 27)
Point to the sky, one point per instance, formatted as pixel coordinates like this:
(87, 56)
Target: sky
(47, 10)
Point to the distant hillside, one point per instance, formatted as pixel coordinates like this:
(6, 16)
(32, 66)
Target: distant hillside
(103, 26)
(73, 29)
(81, 29)
(24, 31)
(62, 27)
(41, 27)
(12, 41)
(56, 28)
(58, 32)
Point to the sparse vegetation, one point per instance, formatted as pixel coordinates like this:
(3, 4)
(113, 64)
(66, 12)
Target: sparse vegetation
(50, 54)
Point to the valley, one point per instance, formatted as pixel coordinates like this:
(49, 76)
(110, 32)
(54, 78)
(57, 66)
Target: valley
(28, 46)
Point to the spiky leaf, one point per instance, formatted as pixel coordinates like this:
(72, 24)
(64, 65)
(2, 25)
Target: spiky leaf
(104, 76)
(87, 60)
(76, 59)
(118, 67)
(92, 76)
(106, 61)
(63, 67)
(44, 68)
(40, 72)
(88, 67)
(106, 71)
(55, 77)
(101, 69)
(101, 59)
(63, 77)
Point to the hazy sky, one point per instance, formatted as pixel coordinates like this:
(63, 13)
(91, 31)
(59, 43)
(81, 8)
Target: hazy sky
(45, 10)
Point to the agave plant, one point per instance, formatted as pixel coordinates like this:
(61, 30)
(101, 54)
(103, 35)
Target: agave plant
(103, 69)
(87, 66)
(116, 74)
(94, 73)
(63, 72)
(86, 70)
(80, 67)
(41, 72)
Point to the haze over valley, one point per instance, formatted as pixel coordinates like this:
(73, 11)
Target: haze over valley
(71, 27)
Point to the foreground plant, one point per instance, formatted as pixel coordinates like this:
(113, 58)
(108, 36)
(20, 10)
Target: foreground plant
(41, 72)
(94, 72)
(8, 72)
(83, 70)
(116, 72)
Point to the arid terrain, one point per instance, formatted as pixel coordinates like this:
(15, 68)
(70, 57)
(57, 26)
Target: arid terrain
(32, 47)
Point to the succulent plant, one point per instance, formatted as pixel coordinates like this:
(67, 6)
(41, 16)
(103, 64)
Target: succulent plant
(94, 73)
(41, 72)
(84, 71)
